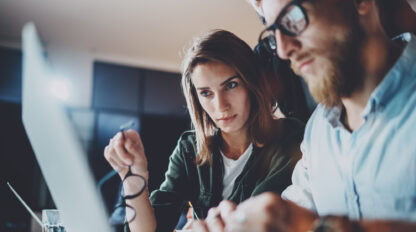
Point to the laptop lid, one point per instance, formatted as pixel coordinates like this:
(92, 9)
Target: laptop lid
(58, 150)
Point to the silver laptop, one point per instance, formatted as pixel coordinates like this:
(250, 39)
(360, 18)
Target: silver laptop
(58, 150)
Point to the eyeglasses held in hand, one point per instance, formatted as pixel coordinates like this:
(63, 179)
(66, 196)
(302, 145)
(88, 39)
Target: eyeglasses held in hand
(136, 185)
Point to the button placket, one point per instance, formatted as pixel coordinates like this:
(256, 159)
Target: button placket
(348, 157)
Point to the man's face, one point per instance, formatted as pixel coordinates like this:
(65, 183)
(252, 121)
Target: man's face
(326, 52)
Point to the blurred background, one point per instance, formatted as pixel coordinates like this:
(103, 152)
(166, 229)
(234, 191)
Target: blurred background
(115, 61)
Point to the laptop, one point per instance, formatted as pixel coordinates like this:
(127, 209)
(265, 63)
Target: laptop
(55, 142)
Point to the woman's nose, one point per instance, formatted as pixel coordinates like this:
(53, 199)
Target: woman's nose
(222, 103)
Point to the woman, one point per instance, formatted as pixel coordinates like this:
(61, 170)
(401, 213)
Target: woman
(236, 150)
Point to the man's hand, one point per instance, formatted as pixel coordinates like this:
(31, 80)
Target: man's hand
(266, 212)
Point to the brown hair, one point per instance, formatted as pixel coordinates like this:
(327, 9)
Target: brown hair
(223, 46)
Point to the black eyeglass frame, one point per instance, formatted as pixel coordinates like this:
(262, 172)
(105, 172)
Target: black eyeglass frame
(128, 174)
(123, 203)
(277, 25)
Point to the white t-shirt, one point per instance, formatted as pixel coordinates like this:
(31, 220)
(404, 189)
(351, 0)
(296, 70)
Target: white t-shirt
(232, 169)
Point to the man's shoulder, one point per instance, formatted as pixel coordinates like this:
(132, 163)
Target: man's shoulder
(319, 116)
(318, 124)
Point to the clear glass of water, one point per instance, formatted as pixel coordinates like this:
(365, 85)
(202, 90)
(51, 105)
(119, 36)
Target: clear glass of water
(51, 221)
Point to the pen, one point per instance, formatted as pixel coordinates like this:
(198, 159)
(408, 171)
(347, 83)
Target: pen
(125, 126)
(193, 211)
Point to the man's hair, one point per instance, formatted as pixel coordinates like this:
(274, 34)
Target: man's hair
(224, 47)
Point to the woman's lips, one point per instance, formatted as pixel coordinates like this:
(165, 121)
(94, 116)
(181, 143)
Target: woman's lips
(227, 119)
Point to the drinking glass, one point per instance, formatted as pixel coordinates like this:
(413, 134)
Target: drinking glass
(51, 221)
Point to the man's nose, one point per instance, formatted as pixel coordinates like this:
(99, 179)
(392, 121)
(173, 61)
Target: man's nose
(286, 45)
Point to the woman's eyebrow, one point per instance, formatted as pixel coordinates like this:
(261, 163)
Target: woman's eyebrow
(222, 84)
(229, 79)
(202, 88)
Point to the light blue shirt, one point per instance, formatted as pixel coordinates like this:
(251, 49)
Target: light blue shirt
(371, 172)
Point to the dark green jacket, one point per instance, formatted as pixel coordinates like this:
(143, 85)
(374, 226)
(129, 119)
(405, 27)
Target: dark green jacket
(269, 168)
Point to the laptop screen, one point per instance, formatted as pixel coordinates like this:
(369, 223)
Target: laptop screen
(57, 145)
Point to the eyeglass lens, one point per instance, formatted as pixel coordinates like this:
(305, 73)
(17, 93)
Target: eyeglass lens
(136, 185)
(130, 213)
(124, 214)
(293, 20)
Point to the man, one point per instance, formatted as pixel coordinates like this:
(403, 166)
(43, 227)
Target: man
(412, 4)
(397, 17)
(359, 162)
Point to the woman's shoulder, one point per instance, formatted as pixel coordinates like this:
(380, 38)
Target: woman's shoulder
(284, 128)
(187, 140)
(283, 148)
(188, 135)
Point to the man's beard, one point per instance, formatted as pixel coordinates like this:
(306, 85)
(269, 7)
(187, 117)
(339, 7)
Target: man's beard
(341, 73)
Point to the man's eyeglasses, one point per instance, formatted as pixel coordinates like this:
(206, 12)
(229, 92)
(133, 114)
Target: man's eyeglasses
(291, 21)
(136, 183)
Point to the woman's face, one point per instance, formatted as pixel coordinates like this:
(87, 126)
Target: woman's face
(223, 95)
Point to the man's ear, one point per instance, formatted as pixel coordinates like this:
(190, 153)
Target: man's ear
(363, 7)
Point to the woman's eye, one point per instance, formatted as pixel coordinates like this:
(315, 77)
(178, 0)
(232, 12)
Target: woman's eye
(205, 93)
(232, 85)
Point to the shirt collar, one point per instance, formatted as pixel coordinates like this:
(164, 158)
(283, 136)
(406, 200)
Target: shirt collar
(333, 114)
(398, 76)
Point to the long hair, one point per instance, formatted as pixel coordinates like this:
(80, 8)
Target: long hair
(225, 47)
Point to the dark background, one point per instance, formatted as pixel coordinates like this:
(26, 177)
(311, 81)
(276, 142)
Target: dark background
(153, 99)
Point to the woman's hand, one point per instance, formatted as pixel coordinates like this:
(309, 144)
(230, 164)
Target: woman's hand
(122, 153)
